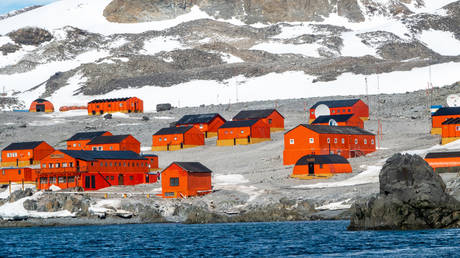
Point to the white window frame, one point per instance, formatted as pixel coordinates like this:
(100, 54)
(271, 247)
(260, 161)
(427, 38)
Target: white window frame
(291, 141)
(328, 140)
(365, 141)
(356, 140)
(335, 140)
(343, 140)
(311, 140)
(372, 141)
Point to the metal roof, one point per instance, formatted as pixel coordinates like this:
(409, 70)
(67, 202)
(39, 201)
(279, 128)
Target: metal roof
(86, 135)
(198, 118)
(173, 130)
(337, 103)
(149, 155)
(40, 100)
(22, 145)
(97, 155)
(193, 167)
(254, 114)
(451, 120)
(109, 100)
(335, 129)
(108, 139)
(242, 123)
(337, 118)
(322, 159)
(446, 111)
(438, 155)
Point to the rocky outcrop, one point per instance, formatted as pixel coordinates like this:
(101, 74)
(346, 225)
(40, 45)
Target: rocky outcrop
(411, 196)
(9, 48)
(30, 36)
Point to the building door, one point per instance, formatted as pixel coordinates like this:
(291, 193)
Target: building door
(181, 145)
(249, 139)
(234, 141)
(120, 179)
(147, 178)
(94, 112)
(93, 182)
(101, 112)
(167, 147)
(40, 107)
(311, 168)
(87, 182)
(78, 165)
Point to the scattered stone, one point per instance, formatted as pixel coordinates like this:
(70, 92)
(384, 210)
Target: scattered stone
(411, 196)
(19, 194)
(9, 48)
(108, 116)
(145, 118)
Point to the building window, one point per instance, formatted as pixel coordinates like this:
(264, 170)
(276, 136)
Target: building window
(291, 141)
(312, 140)
(64, 164)
(51, 165)
(231, 132)
(75, 145)
(99, 148)
(343, 110)
(106, 164)
(320, 165)
(242, 131)
(94, 148)
(165, 139)
(174, 181)
(119, 164)
(58, 165)
(201, 126)
(110, 164)
(365, 141)
(226, 132)
(269, 121)
(335, 140)
(372, 141)
(175, 138)
(71, 164)
(43, 180)
(52, 180)
(102, 164)
(356, 141)
(71, 179)
(111, 178)
(107, 178)
(349, 110)
(338, 110)
(28, 153)
(328, 140)
(61, 179)
(169, 193)
(457, 128)
(343, 140)
(44, 165)
(111, 147)
(131, 178)
(110, 105)
(19, 171)
(159, 139)
(333, 111)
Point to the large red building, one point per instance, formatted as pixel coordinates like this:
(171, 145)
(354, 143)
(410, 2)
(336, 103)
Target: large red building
(206, 123)
(124, 142)
(79, 140)
(345, 141)
(340, 107)
(271, 117)
(123, 105)
(23, 154)
(440, 116)
(92, 170)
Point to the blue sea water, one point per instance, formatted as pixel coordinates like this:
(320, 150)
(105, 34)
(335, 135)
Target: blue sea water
(276, 239)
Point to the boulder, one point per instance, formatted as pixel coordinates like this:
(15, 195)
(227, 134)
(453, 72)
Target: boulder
(30, 36)
(163, 107)
(19, 194)
(108, 116)
(412, 196)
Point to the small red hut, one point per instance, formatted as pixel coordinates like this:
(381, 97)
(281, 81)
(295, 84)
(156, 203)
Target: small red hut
(321, 165)
(79, 140)
(243, 132)
(185, 179)
(177, 138)
(207, 123)
(271, 117)
(41, 105)
(441, 115)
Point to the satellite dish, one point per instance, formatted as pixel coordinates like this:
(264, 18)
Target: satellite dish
(453, 100)
(322, 110)
(332, 122)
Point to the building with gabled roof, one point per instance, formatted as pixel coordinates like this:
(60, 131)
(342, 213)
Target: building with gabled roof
(206, 123)
(23, 154)
(41, 105)
(91, 170)
(185, 179)
(177, 138)
(340, 107)
(123, 105)
(441, 115)
(125, 142)
(307, 139)
(310, 165)
(271, 117)
(243, 132)
(79, 140)
(450, 130)
(339, 120)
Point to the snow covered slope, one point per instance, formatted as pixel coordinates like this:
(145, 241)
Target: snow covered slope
(197, 59)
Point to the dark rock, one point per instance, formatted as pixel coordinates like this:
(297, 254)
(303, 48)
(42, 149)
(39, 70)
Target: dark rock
(108, 116)
(145, 118)
(411, 196)
(30, 205)
(163, 107)
(19, 194)
(30, 36)
(9, 48)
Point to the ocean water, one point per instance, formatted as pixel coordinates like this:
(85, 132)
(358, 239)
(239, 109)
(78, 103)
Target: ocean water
(276, 239)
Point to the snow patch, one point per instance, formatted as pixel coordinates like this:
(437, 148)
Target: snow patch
(369, 176)
(156, 45)
(280, 48)
(340, 205)
(231, 179)
(54, 188)
(442, 42)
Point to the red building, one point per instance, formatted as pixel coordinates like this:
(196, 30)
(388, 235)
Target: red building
(206, 123)
(340, 107)
(41, 105)
(440, 116)
(17, 175)
(79, 140)
(271, 117)
(339, 120)
(444, 161)
(321, 165)
(177, 138)
(23, 154)
(346, 141)
(243, 132)
(450, 130)
(123, 105)
(92, 170)
(185, 179)
(124, 142)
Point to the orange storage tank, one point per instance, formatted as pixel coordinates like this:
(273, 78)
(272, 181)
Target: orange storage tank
(41, 105)
(271, 117)
(185, 179)
(321, 165)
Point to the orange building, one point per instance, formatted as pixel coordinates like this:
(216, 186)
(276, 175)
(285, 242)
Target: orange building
(444, 161)
(310, 165)
(185, 179)
(22, 154)
(450, 130)
(91, 170)
(270, 116)
(152, 161)
(340, 107)
(339, 120)
(442, 115)
(207, 123)
(79, 140)
(17, 175)
(41, 105)
(125, 142)
(345, 141)
(123, 105)
(243, 132)
(176, 138)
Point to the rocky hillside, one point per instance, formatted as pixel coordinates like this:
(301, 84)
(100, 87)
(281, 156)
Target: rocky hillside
(219, 41)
